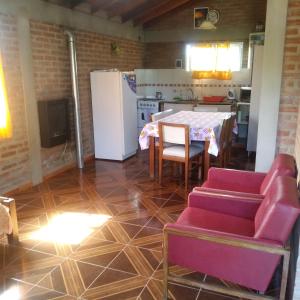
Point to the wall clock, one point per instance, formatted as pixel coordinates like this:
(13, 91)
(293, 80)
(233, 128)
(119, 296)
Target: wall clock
(213, 16)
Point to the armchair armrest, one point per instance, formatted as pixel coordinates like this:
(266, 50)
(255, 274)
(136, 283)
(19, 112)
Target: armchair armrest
(244, 207)
(225, 239)
(238, 251)
(236, 180)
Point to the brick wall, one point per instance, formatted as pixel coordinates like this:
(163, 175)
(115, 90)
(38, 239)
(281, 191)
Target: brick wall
(290, 91)
(52, 77)
(14, 157)
(52, 81)
(164, 55)
(233, 13)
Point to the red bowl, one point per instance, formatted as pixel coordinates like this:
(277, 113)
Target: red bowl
(214, 98)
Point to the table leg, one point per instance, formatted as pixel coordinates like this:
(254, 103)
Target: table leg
(206, 160)
(152, 156)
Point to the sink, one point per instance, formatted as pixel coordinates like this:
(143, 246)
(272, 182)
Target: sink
(177, 98)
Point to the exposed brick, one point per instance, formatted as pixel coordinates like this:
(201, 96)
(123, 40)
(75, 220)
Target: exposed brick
(53, 77)
(290, 91)
(14, 165)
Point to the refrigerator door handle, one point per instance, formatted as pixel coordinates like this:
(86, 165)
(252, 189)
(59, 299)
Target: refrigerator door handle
(143, 116)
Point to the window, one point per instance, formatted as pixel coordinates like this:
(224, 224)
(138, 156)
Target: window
(5, 123)
(213, 58)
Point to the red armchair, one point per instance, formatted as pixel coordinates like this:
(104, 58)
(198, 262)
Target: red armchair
(247, 183)
(242, 245)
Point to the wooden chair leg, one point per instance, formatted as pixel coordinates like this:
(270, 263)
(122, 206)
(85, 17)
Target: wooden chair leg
(221, 160)
(160, 170)
(225, 159)
(174, 168)
(200, 167)
(186, 175)
(229, 152)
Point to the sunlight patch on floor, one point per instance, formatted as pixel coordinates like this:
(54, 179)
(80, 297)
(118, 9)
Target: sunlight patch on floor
(12, 293)
(70, 228)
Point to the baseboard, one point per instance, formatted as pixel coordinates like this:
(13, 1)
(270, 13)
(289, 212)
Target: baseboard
(65, 168)
(19, 189)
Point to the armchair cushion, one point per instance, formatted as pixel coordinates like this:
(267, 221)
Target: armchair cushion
(234, 180)
(207, 238)
(283, 165)
(278, 211)
(255, 184)
(247, 267)
(179, 151)
(210, 220)
(244, 207)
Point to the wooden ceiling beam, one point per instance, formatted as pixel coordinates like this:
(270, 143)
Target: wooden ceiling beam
(158, 10)
(74, 3)
(125, 7)
(97, 5)
(140, 9)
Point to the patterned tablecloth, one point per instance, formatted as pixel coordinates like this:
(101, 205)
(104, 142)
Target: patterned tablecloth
(203, 126)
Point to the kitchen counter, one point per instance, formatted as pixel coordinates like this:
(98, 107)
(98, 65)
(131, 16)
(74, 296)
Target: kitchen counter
(190, 105)
(197, 102)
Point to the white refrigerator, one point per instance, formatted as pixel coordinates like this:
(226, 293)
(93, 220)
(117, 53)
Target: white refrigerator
(114, 114)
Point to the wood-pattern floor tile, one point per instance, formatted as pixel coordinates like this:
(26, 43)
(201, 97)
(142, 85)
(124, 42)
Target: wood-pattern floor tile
(113, 284)
(71, 277)
(100, 253)
(122, 258)
(150, 238)
(32, 266)
(38, 293)
(137, 261)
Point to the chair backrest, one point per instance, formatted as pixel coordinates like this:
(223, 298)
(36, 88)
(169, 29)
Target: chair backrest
(161, 114)
(283, 165)
(228, 137)
(206, 108)
(174, 133)
(223, 133)
(278, 211)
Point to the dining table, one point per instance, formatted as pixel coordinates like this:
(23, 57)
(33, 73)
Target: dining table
(204, 127)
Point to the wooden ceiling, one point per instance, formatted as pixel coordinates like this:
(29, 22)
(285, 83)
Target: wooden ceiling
(140, 12)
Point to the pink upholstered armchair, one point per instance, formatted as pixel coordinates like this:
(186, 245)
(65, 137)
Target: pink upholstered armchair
(237, 240)
(247, 183)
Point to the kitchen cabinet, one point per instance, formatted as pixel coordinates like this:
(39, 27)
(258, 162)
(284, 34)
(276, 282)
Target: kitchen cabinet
(216, 107)
(178, 106)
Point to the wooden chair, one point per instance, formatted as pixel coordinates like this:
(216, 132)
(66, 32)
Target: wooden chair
(13, 238)
(156, 117)
(161, 114)
(178, 148)
(228, 140)
(220, 160)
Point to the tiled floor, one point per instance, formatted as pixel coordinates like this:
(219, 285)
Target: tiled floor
(114, 249)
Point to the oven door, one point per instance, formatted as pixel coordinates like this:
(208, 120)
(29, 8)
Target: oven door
(144, 116)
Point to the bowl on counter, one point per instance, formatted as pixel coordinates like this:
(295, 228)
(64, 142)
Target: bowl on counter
(214, 99)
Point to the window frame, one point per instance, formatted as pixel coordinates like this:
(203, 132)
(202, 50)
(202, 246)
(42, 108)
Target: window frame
(190, 45)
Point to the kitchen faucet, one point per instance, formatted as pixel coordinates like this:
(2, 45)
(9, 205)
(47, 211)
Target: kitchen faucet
(193, 96)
